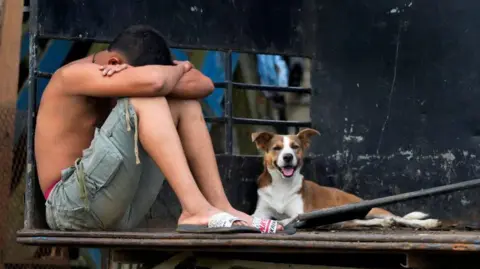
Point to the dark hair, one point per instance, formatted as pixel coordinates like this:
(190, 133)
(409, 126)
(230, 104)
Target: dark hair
(142, 45)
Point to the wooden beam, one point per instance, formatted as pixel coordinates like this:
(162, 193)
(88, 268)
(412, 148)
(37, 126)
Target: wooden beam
(10, 38)
(2, 9)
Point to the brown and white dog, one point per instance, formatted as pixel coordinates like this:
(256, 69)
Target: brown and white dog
(283, 193)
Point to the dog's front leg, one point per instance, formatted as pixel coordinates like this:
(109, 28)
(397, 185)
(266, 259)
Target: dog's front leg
(284, 222)
(263, 210)
(294, 208)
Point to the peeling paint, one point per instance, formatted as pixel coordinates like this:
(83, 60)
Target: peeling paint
(196, 9)
(353, 138)
(464, 201)
(367, 157)
(394, 10)
(348, 137)
(338, 156)
(407, 153)
(448, 156)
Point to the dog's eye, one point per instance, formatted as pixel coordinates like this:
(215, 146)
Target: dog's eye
(294, 146)
(277, 148)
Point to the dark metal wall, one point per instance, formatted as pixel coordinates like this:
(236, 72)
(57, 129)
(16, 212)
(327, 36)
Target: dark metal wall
(262, 26)
(395, 83)
(396, 87)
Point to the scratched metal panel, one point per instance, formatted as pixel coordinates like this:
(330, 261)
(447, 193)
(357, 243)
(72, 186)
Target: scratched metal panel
(396, 97)
(248, 25)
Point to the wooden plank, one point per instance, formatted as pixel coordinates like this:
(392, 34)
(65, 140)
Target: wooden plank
(10, 38)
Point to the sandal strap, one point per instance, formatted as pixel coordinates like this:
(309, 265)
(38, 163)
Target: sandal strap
(265, 225)
(222, 220)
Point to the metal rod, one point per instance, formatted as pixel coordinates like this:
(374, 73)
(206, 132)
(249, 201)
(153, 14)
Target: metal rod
(228, 103)
(256, 87)
(389, 200)
(252, 245)
(271, 122)
(86, 37)
(215, 119)
(371, 235)
(32, 92)
(259, 122)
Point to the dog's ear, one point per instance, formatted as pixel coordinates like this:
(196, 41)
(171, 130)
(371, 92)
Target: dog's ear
(305, 135)
(261, 139)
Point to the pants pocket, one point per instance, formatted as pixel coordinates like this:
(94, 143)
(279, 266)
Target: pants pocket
(74, 219)
(102, 164)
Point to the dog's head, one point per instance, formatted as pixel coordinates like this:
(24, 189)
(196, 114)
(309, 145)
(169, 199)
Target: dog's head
(283, 153)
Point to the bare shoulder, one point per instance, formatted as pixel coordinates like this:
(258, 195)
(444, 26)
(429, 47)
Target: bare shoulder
(67, 75)
(75, 68)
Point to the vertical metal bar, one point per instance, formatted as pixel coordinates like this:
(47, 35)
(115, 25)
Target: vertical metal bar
(228, 103)
(30, 168)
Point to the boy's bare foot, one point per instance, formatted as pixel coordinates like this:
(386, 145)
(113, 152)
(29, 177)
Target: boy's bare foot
(244, 216)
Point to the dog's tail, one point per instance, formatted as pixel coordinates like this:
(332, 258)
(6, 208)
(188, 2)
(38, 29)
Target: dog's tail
(416, 215)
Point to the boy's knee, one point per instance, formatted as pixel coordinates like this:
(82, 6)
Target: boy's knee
(185, 107)
(140, 103)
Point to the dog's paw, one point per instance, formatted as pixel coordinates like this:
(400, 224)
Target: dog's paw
(387, 222)
(431, 223)
(416, 215)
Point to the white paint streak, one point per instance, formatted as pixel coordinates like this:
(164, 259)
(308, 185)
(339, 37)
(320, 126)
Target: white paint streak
(196, 9)
(448, 156)
(394, 10)
(407, 153)
(354, 138)
(465, 201)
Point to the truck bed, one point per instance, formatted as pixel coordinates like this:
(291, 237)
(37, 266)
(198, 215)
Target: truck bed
(311, 241)
(368, 248)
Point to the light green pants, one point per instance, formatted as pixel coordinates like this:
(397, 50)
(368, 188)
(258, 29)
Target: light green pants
(113, 185)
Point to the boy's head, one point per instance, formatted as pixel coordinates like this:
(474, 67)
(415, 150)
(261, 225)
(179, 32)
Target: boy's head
(138, 45)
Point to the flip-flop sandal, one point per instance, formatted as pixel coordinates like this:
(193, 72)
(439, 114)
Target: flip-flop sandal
(267, 226)
(218, 223)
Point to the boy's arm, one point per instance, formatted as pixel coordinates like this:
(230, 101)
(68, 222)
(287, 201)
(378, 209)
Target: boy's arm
(152, 80)
(192, 85)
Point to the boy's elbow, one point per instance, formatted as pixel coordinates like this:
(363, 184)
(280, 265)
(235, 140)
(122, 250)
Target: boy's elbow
(157, 86)
(209, 86)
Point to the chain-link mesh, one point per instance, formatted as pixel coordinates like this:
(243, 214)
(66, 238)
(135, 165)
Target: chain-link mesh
(12, 189)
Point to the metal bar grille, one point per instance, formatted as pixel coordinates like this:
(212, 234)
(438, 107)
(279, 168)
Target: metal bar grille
(228, 118)
(32, 80)
(246, 86)
(238, 120)
(224, 84)
(228, 103)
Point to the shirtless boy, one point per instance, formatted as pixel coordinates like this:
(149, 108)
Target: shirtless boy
(104, 143)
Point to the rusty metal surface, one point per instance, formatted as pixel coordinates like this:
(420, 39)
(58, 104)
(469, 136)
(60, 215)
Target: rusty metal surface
(302, 241)
(436, 261)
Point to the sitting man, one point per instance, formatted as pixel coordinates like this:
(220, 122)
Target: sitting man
(105, 143)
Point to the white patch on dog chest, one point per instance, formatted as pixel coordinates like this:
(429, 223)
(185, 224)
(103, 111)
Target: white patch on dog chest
(283, 197)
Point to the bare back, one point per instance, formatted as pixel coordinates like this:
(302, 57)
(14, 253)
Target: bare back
(65, 127)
